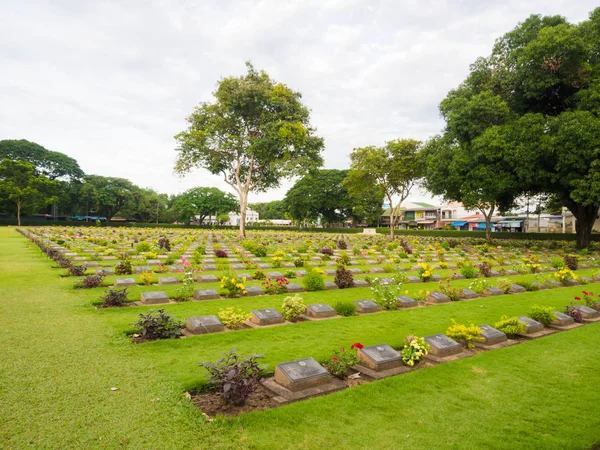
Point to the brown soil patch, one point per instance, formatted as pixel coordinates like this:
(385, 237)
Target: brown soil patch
(211, 404)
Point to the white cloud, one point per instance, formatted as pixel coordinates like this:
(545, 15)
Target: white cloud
(110, 83)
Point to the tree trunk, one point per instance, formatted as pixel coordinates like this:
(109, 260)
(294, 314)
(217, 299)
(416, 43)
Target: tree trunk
(488, 229)
(392, 220)
(19, 213)
(243, 206)
(586, 216)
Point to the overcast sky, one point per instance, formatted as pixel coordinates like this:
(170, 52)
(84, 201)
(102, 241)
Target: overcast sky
(110, 83)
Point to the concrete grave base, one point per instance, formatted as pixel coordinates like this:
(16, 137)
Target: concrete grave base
(566, 327)
(366, 372)
(506, 343)
(438, 359)
(256, 325)
(544, 332)
(316, 319)
(284, 395)
(592, 320)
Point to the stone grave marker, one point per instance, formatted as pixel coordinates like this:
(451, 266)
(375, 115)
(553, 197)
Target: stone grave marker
(459, 276)
(109, 258)
(266, 317)
(207, 279)
(404, 301)
(413, 279)
(237, 267)
(553, 284)
(300, 273)
(264, 266)
(153, 262)
(436, 277)
(516, 288)
(377, 270)
(491, 290)
(367, 306)
(153, 298)
(79, 258)
(468, 294)
(360, 283)
(587, 312)
(168, 280)
(571, 282)
(320, 310)
(124, 282)
(274, 275)
(532, 325)
(437, 297)
(105, 271)
(494, 273)
(293, 287)
(204, 325)
(510, 272)
(301, 374)
(329, 272)
(330, 285)
(491, 336)
(245, 275)
(141, 269)
(91, 264)
(355, 271)
(208, 261)
(255, 260)
(380, 357)
(252, 291)
(540, 286)
(209, 266)
(205, 294)
(562, 320)
(288, 265)
(442, 346)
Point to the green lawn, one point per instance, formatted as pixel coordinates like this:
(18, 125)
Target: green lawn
(61, 356)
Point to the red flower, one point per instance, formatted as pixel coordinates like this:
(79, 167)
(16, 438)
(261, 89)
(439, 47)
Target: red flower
(577, 298)
(584, 293)
(334, 359)
(357, 345)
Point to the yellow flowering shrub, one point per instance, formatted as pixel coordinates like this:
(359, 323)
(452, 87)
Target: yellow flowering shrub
(233, 286)
(467, 335)
(233, 318)
(147, 277)
(564, 275)
(415, 348)
(425, 271)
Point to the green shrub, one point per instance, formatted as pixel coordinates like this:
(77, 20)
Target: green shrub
(158, 326)
(313, 281)
(557, 262)
(511, 326)
(259, 275)
(504, 284)
(143, 247)
(529, 286)
(293, 307)
(543, 314)
(467, 335)
(386, 296)
(345, 308)
(233, 318)
(415, 348)
(468, 270)
(198, 254)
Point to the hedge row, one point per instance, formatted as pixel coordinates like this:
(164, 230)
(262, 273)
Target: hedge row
(495, 235)
(438, 233)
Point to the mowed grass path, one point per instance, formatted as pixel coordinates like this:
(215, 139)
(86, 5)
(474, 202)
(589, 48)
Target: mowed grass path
(60, 357)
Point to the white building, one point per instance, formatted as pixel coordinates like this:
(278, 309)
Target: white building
(234, 218)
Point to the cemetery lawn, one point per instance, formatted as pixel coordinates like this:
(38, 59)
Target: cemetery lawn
(61, 357)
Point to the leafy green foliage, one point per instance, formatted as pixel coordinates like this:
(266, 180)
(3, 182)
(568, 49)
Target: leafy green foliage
(313, 281)
(255, 133)
(200, 202)
(415, 348)
(467, 335)
(293, 307)
(233, 318)
(345, 308)
(511, 326)
(543, 314)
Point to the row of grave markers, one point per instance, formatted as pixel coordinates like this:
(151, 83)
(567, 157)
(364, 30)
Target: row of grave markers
(302, 378)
